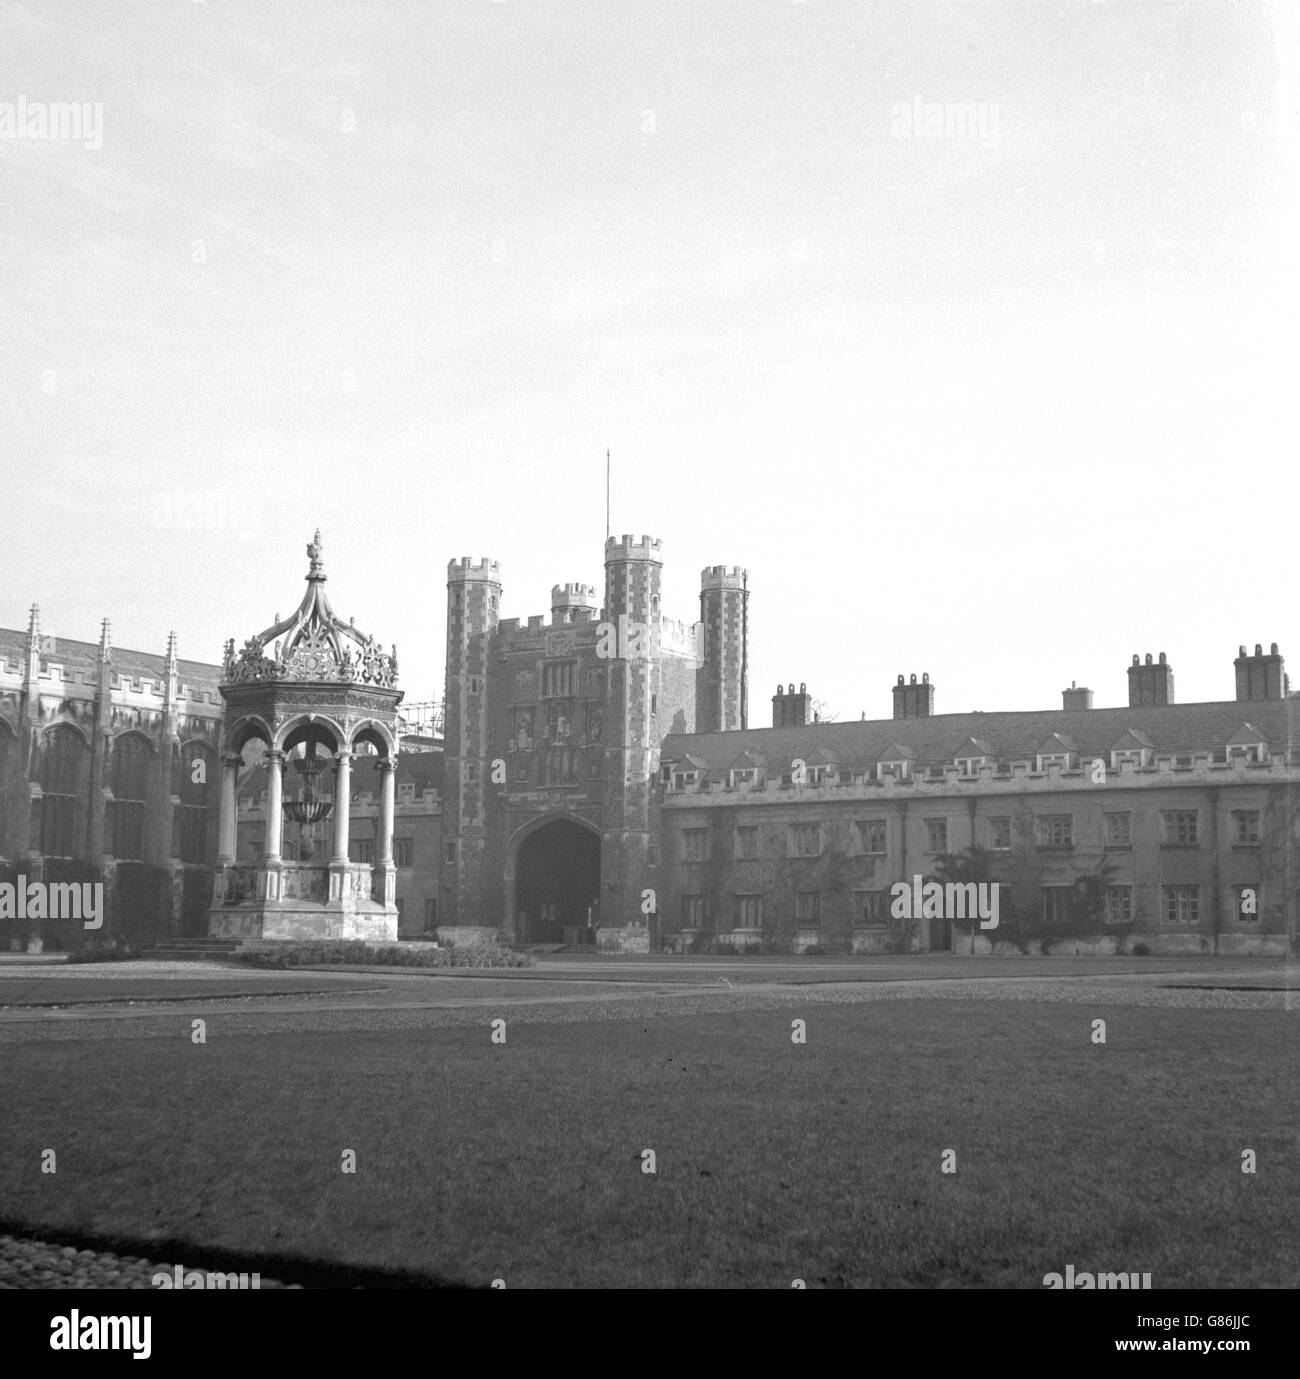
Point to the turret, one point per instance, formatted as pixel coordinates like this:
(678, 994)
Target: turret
(722, 682)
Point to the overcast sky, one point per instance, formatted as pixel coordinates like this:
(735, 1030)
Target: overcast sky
(1004, 399)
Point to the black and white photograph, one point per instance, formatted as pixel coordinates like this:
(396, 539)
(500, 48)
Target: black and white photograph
(591, 599)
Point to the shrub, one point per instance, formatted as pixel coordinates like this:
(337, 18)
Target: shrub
(899, 937)
(1140, 950)
(356, 952)
(112, 949)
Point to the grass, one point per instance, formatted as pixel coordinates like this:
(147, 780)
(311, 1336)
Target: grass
(523, 1161)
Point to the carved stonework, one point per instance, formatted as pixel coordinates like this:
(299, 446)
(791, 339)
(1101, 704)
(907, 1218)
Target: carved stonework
(313, 658)
(560, 643)
(331, 700)
(314, 644)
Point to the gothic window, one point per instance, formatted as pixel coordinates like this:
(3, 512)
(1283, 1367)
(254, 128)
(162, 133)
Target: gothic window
(65, 789)
(193, 812)
(7, 755)
(559, 679)
(561, 766)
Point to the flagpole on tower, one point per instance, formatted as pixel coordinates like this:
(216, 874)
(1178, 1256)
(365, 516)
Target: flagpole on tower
(607, 495)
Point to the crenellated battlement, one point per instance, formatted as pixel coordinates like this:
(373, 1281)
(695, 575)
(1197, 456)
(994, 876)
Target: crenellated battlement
(676, 635)
(467, 568)
(723, 577)
(573, 595)
(633, 548)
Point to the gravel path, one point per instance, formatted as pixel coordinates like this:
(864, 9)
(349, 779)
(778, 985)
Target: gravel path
(402, 1011)
(36, 1264)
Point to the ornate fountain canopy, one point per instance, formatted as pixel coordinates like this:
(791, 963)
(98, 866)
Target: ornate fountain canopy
(312, 644)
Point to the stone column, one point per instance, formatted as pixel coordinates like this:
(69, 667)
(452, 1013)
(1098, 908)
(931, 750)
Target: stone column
(274, 811)
(226, 831)
(387, 795)
(342, 805)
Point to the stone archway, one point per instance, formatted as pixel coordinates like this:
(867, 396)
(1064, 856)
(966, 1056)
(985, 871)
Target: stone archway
(556, 890)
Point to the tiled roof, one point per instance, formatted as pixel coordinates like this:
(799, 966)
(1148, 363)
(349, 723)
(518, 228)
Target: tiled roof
(982, 748)
(1172, 729)
(133, 665)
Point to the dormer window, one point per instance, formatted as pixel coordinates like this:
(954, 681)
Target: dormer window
(1243, 753)
(970, 765)
(898, 770)
(1061, 759)
(685, 780)
(745, 776)
(818, 775)
(1133, 747)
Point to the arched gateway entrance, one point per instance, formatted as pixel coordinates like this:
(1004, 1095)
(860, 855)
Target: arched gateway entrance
(557, 884)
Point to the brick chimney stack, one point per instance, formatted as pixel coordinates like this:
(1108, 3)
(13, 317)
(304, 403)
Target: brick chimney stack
(1150, 685)
(1260, 676)
(1076, 698)
(914, 701)
(790, 710)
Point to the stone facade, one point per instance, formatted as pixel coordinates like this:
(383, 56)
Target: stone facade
(108, 771)
(598, 783)
(550, 822)
(1182, 819)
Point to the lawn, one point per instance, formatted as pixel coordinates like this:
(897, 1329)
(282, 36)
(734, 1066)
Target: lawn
(774, 1161)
